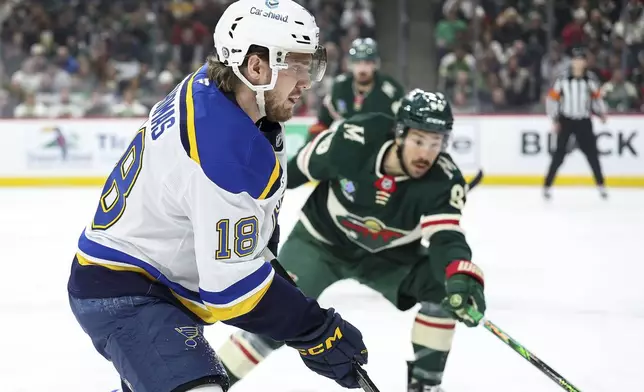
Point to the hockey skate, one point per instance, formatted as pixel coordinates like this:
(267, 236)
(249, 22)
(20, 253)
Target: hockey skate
(422, 387)
(414, 385)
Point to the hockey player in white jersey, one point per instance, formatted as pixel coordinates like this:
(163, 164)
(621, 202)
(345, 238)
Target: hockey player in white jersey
(182, 233)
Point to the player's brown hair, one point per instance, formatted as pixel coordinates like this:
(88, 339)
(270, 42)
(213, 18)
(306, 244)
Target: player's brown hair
(224, 77)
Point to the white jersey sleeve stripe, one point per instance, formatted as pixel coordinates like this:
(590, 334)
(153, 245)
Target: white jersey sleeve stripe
(433, 219)
(304, 157)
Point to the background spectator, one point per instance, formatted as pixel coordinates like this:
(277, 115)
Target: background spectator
(515, 48)
(118, 58)
(30, 108)
(492, 54)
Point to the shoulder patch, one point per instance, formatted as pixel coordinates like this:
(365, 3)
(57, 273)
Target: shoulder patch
(389, 89)
(341, 78)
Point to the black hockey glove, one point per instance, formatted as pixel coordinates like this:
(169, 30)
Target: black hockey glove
(464, 287)
(332, 349)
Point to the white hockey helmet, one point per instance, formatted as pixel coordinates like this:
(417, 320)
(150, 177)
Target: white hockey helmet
(281, 26)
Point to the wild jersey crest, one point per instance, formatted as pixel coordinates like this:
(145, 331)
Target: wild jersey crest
(370, 233)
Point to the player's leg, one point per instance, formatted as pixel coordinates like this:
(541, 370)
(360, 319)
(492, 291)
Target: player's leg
(433, 328)
(154, 346)
(563, 137)
(431, 337)
(588, 145)
(312, 265)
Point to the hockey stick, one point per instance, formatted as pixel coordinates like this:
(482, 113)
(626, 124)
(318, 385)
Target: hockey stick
(475, 181)
(363, 378)
(529, 356)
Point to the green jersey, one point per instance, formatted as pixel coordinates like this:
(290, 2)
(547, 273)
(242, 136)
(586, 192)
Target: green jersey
(344, 101)
(360, 210)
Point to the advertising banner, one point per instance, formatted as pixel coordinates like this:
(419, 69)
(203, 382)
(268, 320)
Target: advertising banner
(510, 149)
(523, 146)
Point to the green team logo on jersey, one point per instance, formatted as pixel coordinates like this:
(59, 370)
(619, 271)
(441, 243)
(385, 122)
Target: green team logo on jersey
(369, 233)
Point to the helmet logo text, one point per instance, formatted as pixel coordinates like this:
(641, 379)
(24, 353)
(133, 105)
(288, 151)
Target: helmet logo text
(269, 14)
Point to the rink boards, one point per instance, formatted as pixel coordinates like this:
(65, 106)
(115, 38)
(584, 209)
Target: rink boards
(510, 149)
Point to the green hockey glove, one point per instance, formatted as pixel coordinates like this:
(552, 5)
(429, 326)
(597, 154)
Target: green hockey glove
(464, 287)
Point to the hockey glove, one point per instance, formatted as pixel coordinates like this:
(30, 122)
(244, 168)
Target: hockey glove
(464, 287)
(332, 349)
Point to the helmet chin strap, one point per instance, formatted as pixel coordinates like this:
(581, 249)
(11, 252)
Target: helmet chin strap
(259, 92)
(399, 154)
(261, 103)
(260, 96)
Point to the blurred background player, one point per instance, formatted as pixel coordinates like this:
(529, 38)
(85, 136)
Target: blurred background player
(381, 194)
(181, 235)
(572, 100)
(364, 89)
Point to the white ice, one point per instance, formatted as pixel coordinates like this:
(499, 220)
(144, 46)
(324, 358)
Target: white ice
(564, 278)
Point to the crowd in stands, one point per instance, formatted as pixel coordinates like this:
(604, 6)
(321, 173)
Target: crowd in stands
(503, 55)
(80, 58)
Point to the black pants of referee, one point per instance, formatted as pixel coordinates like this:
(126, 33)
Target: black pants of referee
(583, 131)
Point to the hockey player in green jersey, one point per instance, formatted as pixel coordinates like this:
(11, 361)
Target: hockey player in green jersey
(362, 90)
(386, 213)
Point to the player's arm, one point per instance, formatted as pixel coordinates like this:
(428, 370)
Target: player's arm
(598, 104)
(441, 229)
(329, 154)
(236, 283)
(553, 100)
(238, 286)
(327, 114)
(449, 252)
(324, 119)
(273, 243)
(399, 93)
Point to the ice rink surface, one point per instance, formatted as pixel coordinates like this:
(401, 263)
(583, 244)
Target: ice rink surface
(564, 278)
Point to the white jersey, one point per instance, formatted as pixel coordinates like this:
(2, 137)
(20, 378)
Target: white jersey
(193, 203)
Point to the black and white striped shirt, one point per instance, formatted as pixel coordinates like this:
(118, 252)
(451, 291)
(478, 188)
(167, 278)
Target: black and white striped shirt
(575, 98)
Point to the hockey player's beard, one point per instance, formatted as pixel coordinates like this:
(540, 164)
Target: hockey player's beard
(417, 167)
(364, 79)
(276, 111)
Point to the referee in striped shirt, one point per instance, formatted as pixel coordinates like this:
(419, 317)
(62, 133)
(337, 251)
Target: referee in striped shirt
(572, 100)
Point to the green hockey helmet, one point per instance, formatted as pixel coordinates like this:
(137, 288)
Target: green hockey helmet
(364, 49)
(425, 111)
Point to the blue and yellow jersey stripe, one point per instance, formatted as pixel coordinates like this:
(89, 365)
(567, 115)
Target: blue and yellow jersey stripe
(220, 137)
(273, 181)
(236, 300)
(188, 101)
(241, 297)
